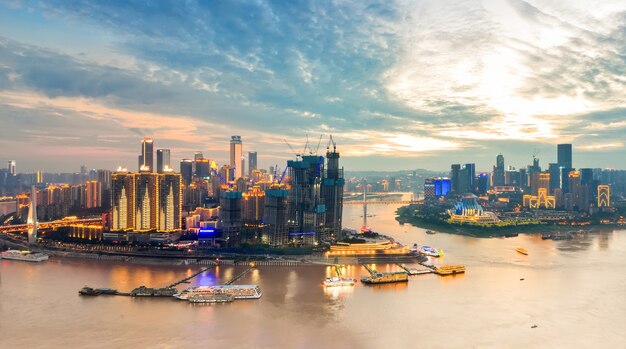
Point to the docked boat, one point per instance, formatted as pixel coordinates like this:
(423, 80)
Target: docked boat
(386, 278)
(338, 281)
(429, 251)
(522, 250)
(546, 236)
(27, 256)
(143, 291)
(430, 232)
(90, 291)
(450, 270)
(210, 298)
(235, 291)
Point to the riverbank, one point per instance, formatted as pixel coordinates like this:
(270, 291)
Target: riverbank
(491, 231)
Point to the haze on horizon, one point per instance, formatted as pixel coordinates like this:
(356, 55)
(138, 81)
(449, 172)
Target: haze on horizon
(402, 84)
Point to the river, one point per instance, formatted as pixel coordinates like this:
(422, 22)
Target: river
(574, 291)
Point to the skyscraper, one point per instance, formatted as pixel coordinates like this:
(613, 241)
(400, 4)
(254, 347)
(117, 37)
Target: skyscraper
(93, 193)
(163, 160)
(454, 178)
(306, 207)
(498, 171)
(236, 153)
(275, 216)
(186, 170)
(252, 162)
(147, 155)
(564, 155)
(12, 168)
(32, 216)
(332, 193)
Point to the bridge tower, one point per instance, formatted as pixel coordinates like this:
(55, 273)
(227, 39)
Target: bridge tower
(32, 216)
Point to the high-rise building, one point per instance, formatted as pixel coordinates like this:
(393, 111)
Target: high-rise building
(252, 162)
(275, 216)
(306, 207)
(12, 168)
(146, 159)
(163, 160)
(555, 176)
(604, 195)
(454, 177)
(203, 168)
(498, 171)
(253, 205)
(236, 154)
(170, 201)
(147, 201)
(564, 155)
(32, 216)
(230, 216)
(186, 170)
(198, 155)
(93, 194)
(332, 193)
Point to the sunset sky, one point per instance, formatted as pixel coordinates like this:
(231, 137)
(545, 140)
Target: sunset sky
(399, 84)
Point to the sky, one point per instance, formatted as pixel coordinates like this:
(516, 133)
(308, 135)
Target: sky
(398, 84)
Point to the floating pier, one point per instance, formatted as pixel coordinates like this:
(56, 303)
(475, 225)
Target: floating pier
(414, 271)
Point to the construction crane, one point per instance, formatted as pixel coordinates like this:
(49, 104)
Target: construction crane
(331, 141)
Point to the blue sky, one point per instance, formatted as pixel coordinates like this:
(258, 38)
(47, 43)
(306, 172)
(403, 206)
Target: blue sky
(399, 84)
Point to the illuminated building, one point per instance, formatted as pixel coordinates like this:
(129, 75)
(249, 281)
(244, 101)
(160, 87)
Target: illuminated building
(39, 177)
(12, 168)
(93, 194)
(540, 189)
(203, 168)
(147, 155)
(253, 204)
(163, 160)
(275, 216)
(436, 187)
(170, 201)
(236, 155)
(147, 201)
(186, 170)
(252, 162)
(429, 188)
(198, 155)
(86, 231)
(482, 183)
(469, 211)
(604, 195)
(564, 155)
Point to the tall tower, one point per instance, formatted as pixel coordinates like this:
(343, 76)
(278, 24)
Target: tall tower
(12, 168)
(564, 155)
(32, 216)
(498, 171)
(252, 162)
(186, 170)
(163, 160)
(332, 192)
(236, 153)
(147, 154)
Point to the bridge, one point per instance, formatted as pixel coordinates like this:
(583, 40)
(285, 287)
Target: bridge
(50, 225)
(384, 202)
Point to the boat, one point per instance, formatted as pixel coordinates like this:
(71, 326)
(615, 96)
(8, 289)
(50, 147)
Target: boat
(546, 236)
(386, 278)
(143, 291)
(27, 256)
(338, 281)
(235, 291)
(90, 291)
(210, 298)
(431, 232)
(522, 250)
(511, 235)
(429, 251)
(450, 270)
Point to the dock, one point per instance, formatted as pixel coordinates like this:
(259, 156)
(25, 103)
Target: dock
(252, 266)
(415, 271)
(190, 277)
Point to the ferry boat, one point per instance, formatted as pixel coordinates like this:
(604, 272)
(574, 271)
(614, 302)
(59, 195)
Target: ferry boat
(450, 270)
(385, 278)
(522, 250)
(338, 281)
(235, 291)
(24, 256)
(429, 251)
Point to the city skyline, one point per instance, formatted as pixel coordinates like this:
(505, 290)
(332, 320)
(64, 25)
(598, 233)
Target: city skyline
(395, 84)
